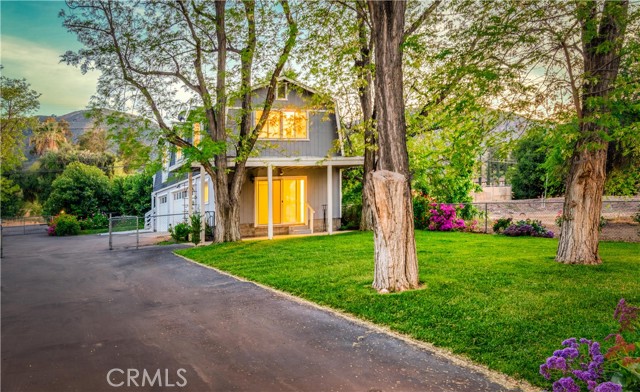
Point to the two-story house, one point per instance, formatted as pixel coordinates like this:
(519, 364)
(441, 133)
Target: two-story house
(299, 156)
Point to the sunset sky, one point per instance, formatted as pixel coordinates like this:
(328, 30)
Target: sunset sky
(32, 40)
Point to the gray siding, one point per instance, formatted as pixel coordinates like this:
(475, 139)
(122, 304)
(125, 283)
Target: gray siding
(322, 127)
(316, 191)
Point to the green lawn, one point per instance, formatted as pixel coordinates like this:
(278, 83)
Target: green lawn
(501, 301)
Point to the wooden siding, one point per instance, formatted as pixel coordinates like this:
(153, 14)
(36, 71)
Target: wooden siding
(316, 190)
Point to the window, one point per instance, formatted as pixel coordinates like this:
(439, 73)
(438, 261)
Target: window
(180, 195)
(289, 200)
(206, 192)
(196, 134)
(163, 199)
(286, 124)
(281, 91)
(178, 153)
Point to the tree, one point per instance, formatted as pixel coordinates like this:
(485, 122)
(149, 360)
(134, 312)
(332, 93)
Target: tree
(50, 135)
(131, 195)
(602, 33)
(11, 197)
(18, 102)
(148, 49)
(389, 189)
(81, 190)
(94, 140)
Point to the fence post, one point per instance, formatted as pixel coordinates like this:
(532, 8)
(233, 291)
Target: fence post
(110, 226)
(24, 225)
(486, 218)
(137, 232)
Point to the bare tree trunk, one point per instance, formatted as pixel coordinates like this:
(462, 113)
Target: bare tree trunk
(394, 226)
(601, 42)
(390, 193)
(363, 64)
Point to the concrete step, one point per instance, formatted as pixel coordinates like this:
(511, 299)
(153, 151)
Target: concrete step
(299, 230)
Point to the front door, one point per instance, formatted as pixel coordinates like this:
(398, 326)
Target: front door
(288, 200)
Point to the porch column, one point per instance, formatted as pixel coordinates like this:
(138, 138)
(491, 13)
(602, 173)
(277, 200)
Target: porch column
(329, 199)
(270, 201)
(201, 198)
(190, 192)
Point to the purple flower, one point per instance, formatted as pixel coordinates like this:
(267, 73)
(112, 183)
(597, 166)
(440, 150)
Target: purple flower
(569, 352)
(608, 387)
(571, 342)
(544, 371)
(585, 376)
(566, 384)
(626, 315)
(591, 384)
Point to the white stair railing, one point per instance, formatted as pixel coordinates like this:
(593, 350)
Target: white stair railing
(311, 214)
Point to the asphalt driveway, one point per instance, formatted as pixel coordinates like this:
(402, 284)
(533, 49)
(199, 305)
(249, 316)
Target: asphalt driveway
(72, 311)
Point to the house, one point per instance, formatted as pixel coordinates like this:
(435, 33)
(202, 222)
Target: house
(299, 156)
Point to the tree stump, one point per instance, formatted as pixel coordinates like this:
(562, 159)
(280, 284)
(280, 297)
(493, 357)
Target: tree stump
(396, 261)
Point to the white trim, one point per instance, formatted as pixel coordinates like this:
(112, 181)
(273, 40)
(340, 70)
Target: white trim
(300, 161)
(339, 128)
(329, 199)
(340, 191)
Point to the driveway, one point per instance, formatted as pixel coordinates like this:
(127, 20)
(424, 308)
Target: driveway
(72, 311)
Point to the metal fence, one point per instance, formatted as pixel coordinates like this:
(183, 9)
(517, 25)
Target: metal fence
(619, 216)
(24, 225)
(124, 231)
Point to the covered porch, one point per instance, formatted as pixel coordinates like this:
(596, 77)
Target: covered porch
(292, 195)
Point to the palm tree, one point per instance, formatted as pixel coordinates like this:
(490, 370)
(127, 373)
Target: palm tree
(50, 136)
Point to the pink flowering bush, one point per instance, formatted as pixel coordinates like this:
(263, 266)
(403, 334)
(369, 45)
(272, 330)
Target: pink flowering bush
(443, 217)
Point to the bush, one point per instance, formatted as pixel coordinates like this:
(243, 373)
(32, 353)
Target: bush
(196, 223)
(180, 232)
(501, 224)
(80, 190)
(65, 225)
(528, 227)
(97, 221)
(443, 217)
(421, 206)
(351, 215)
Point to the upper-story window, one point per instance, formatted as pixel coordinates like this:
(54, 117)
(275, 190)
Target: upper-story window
(282, 90)
(284, 124)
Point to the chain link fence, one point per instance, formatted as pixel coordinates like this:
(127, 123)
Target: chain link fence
(124, 231)
(619, 216)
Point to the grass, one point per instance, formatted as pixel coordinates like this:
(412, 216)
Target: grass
(501, 301)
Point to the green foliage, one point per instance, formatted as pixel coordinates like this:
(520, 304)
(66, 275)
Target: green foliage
(17, 102)
(541, 302)
(180, 232)
(97, 221)
(196, 225)
(501, 223)
(527, 178)
(421, 207)
(66, 224)
(10, 198)
(351, 198)
(131, 195)
(80, 190)
(50, 135)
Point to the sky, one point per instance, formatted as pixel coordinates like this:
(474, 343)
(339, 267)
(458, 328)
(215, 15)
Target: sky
(32, 40)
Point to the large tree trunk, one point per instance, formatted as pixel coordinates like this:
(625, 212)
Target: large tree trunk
(394, 226)
(391, 192)
(601, 40)
(363, 66)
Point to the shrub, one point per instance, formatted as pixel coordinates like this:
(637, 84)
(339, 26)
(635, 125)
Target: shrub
(443, 217)
(528, 227)
(501, 224)
(180, 232)
(66, 225)
(196, 222)
(421, 206)
(351, 214)
(97, 221)
(80, 190)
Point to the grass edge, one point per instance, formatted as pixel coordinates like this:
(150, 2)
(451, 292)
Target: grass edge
(457, 359)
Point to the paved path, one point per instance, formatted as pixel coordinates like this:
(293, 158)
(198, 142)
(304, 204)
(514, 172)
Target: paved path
(72, 311)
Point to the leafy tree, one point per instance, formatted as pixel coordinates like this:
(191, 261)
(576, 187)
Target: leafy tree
(18, 102)
(146, 50)
(81, 190)
(529, 177)
(131, 195)
(50, 135)
(94, 140)
(11, 198)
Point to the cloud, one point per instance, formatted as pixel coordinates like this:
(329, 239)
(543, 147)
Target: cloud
(64, 88)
